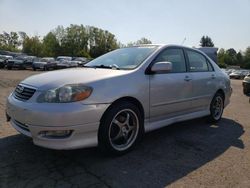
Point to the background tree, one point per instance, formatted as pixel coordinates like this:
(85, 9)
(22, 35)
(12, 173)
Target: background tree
(60, 33)
(50, 46)
(74, 41)
(143, 40)
(221, 58)
(239, 59)
(247, 58)
(9, 41)
(32, 46)
(206, 42)
(230, 57)
(100, 41)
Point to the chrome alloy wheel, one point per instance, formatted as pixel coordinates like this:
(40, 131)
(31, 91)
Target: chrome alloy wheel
(124, 129)
(217, 107)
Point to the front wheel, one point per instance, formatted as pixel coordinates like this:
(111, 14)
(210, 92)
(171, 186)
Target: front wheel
(120, 128)
(216, 108)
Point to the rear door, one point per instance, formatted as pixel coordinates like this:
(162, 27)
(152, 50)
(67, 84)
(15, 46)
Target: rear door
(204, 79)
(170, 93)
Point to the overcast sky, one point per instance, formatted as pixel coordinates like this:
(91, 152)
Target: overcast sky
(227, 22)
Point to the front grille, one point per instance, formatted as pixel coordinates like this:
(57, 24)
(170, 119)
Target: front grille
(22, 125)
(23, 93)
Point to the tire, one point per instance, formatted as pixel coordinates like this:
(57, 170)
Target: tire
(9, 68)
(34, 69)
(216, 108)
(116, 133)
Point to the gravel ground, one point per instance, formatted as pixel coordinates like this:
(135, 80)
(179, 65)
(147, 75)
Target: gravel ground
(189, 154)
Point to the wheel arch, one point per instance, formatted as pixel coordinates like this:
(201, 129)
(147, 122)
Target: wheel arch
(132, 100)
(221, 92)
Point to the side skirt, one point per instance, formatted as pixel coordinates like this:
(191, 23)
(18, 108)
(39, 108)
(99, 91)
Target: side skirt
(149, 126)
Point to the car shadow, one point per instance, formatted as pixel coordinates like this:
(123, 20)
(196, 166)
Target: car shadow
(164, 156)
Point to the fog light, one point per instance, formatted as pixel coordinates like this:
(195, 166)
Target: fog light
(56, 134)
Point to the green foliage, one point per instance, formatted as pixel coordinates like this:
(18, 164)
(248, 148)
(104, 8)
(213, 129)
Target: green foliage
(206, 42)
(143, 40)
(51, 47)
(32, 46)
(75, 40)
(100, 41)
(246, 58)
(231, 57)
(221, 58)
(9, 41)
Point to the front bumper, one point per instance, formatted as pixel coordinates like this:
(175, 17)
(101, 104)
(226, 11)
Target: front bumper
(31, 119)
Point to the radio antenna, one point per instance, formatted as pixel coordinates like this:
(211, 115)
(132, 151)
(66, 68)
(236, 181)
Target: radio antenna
(183, 41)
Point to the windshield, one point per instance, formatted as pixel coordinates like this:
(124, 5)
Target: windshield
(124, 58)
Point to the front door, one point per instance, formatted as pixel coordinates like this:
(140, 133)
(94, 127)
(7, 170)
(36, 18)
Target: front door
(170, 93)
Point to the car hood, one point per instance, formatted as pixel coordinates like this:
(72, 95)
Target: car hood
(55, 79)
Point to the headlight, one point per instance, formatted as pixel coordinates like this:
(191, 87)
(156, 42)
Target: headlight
(67, 93)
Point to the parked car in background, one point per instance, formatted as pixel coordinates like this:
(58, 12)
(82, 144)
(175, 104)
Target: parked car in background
(246, 85)
(229, 71)
(2, 63)
(21, 62)
(80, 60)
(17, 62)
(4, 60)
(46, 63)
(66, 64)
(117, 97)
(63, 58)
(238, 74)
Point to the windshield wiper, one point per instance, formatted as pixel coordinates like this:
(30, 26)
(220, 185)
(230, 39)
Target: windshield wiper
(104, 66)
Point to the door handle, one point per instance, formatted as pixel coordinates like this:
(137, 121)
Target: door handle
(213, 76)
(187, 78)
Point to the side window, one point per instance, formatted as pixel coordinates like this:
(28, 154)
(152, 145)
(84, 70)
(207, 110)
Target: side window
(175, 56)
(210, 67)
(197, 62)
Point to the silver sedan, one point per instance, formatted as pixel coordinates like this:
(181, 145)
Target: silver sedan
(116, 98)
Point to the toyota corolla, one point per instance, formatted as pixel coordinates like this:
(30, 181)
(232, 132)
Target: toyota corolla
(116, 98)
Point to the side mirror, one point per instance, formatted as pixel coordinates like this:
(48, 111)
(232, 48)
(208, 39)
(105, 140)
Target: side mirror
(161, 67)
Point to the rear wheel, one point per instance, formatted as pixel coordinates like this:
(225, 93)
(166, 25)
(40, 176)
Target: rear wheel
(216, 107)
(120, 129)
